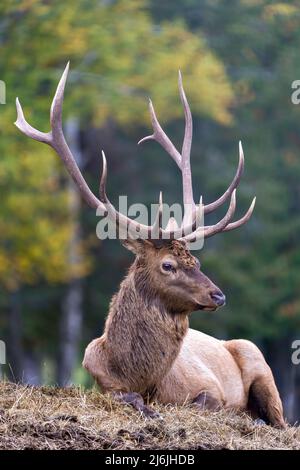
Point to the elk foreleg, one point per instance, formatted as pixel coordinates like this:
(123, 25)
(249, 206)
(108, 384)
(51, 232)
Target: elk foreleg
(95, 362)
(136, 401)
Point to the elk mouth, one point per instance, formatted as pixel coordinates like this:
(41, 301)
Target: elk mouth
(206, 308)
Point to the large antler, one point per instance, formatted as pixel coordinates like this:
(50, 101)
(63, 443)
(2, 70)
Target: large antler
(191, 228)
(183, 162)
(55, 139)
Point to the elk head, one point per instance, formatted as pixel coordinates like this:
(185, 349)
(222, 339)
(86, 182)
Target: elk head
(174, 275)
(163, 261)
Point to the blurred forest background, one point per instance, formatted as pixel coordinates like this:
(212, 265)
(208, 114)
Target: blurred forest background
(238, 60)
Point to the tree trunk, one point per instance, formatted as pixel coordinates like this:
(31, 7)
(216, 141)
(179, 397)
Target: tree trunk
(71, 312)
(70, 328)
(32, 369)
(14, 343)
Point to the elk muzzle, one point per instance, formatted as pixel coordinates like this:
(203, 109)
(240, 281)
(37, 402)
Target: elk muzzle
(207, 295)
(218, 298)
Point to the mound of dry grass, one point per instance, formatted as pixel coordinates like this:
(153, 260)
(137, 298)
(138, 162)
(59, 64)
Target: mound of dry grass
(71, 418)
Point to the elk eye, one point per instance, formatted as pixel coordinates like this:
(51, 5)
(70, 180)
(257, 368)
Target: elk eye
(168, 267)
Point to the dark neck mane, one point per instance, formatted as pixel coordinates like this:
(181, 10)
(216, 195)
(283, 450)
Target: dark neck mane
(142, 337)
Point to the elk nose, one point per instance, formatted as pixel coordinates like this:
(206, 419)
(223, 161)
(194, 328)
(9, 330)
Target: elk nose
(218, 298)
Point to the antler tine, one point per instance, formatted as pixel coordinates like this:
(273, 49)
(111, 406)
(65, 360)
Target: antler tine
(55, 138)
(243, 219)
(157, 224)
(209, 231)
(187, 187)
(219, 227)
(161, 137)
(103, 179)
(27, 129)
(235, 182)
(57, 103)
(172, 224)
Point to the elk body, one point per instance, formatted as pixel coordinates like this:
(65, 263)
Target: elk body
(147, 349)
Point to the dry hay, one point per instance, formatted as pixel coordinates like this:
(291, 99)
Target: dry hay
(73, 418)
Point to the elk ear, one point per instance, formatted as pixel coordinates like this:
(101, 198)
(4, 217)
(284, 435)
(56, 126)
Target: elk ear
(138, 246)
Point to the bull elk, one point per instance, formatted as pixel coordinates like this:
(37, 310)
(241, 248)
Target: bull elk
(147, 349)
